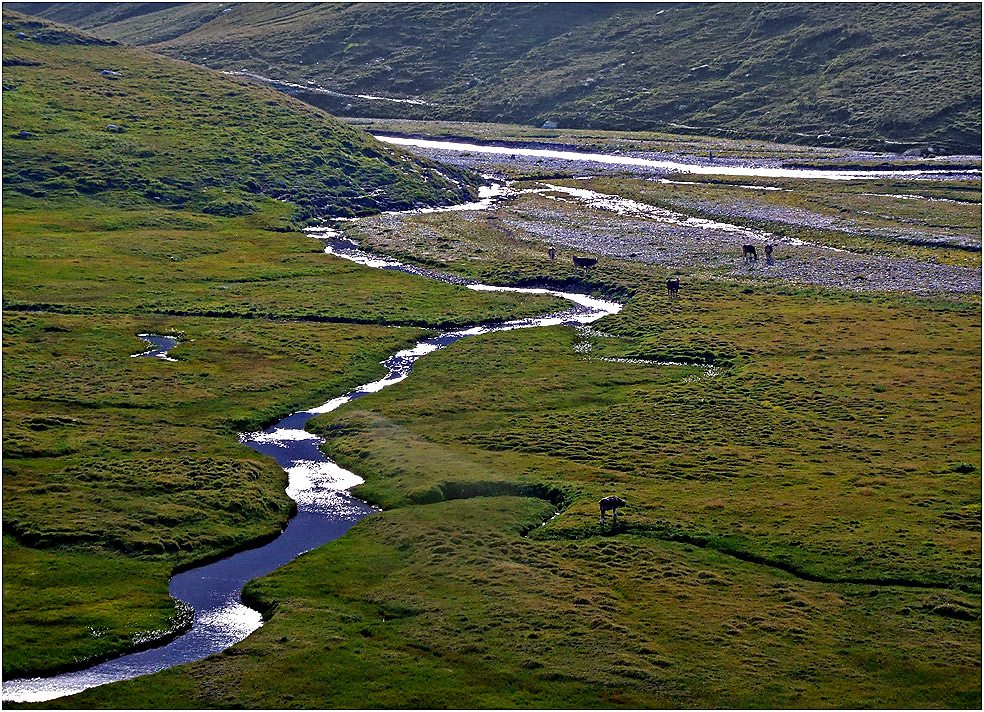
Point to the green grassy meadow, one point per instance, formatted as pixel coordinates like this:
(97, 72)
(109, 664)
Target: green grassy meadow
(448, 605)
(802, 465)
(803, 526)
(117, 470)
(138, 458)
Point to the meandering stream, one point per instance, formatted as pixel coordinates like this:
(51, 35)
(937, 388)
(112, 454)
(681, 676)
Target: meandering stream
(325, 510)
(319, 486)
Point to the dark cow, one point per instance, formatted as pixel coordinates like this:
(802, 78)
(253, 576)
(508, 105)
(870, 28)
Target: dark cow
(748, 252)
(610, 503)
(768, 253)
(673, 287)
(552, 252)
(584, 261)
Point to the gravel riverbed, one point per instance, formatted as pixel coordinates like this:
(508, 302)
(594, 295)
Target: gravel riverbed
(584, 224)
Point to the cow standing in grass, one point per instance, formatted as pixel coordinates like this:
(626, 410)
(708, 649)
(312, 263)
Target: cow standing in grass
(610, 503)
(673, 287)
(748, 252)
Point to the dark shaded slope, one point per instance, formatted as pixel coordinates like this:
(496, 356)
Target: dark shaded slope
(88, 116)
(865, 75)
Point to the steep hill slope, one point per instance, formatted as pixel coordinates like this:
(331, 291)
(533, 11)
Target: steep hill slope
(865, 75)
(91, 116)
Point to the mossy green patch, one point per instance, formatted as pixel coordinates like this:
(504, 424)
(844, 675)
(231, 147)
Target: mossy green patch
(81, 256)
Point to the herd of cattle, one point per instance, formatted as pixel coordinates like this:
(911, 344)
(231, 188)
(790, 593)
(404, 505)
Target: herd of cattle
(748, 253)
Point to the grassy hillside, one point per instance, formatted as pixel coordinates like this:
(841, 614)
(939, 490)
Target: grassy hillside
(91, 117)
(865, 75)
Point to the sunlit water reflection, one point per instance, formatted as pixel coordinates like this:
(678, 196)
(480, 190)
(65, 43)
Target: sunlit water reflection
(325, 510)
(159, 346)
(719, 169)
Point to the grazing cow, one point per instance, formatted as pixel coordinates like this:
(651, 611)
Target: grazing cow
(552, 252)
(768, 253)
(673, 287)
(748, 252)
(584, 261)
(610, 503)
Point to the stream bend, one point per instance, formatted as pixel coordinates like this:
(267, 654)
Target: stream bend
(325, 509)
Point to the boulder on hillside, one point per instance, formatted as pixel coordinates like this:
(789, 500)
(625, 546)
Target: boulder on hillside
(549, 125)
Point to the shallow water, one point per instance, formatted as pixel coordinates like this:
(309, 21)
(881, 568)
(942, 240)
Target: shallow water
(671, 166)
(315, 482)
(159, 346)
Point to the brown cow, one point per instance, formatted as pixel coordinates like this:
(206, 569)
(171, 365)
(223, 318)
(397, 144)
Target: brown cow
(748, 252)
(584, 261)
(552, 252)
(768, 253)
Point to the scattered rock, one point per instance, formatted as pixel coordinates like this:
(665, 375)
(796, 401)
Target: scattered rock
(110, 74)
(22, 36)
(913, 153)
(113, 128)
(549, 125)
(24, 134)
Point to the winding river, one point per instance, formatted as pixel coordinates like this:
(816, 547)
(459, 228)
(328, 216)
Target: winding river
(325, 510)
